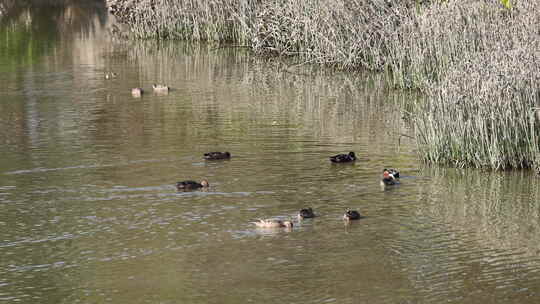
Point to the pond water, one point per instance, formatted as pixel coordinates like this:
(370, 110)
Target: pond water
(90, 212)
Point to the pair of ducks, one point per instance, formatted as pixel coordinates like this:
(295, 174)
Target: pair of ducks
(350, 215)
(390, 176)
(158, 88)
(137, 92)
(192, 185)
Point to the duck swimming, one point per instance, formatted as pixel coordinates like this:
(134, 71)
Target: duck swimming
(306, 213)
(273, 223)
(343, 158)
(217, 155)
(159, 88)
(351, 215)
(388, 178)
(392, 171)
(110, 75)
(137, 92)
(190, 185)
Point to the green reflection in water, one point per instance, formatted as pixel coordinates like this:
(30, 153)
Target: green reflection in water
(32, 29)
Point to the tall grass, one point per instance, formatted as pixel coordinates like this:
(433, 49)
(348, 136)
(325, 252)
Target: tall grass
(483, 113)
(482, 83)
(193, 20)
(476, 61)
(338, 32)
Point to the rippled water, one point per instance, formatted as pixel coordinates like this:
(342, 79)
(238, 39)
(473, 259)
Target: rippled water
(90, 214)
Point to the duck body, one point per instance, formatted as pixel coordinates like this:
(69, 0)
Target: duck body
(394, 172)
(343, 158)
(351, 215)
(217, 155)
(306, 213)
(191, 185)
(110, 75)
(137, 92)
(388, 178)
(159, 88)
(273, 223)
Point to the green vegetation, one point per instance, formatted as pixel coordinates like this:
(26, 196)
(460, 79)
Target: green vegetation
(507, 4)
(476, 61)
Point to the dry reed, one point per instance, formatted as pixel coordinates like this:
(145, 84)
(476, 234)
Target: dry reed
(476, 61)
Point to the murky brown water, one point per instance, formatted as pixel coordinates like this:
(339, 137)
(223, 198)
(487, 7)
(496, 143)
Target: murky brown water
(90, 214)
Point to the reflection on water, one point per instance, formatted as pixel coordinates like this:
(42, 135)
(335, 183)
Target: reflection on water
(30, 29)
(90, 212)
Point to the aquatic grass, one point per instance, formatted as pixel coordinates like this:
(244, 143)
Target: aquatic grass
(482, 90)
(483, 114)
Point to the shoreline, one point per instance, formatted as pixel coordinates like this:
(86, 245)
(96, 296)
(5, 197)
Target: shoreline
(474, 62)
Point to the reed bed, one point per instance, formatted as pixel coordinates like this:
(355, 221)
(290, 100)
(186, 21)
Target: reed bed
(475, 61)
(347, 34)
(483, 113)
(192, 20)
(482, 84)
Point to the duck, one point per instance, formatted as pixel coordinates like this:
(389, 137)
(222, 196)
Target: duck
(110, 75)
(392, 171)
(388, 178)
(306, 213)
(137, 92)
(159, 88)
(190, 185)
(217, 155)
(343, 158)
(351, 215)
(273, 223)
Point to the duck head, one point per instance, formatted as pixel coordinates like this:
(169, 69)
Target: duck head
(351, 215)
(205, 183)
(305, 213)
(387, 174)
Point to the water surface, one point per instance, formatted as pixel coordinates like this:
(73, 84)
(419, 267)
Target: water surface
(90, 213)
